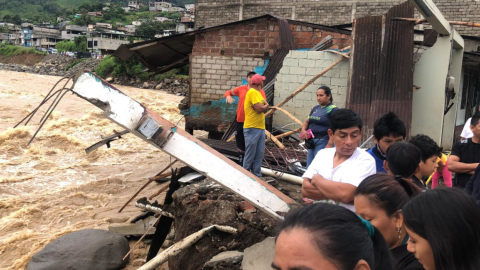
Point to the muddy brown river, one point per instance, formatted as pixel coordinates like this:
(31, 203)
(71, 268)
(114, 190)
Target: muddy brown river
(52, 187)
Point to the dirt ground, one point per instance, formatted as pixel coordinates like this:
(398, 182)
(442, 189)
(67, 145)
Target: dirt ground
(52, 187)
(24, 59)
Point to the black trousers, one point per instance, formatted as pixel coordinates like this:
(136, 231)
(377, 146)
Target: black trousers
(239, 138)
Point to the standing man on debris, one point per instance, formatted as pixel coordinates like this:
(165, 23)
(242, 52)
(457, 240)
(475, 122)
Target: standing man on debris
(241, 92)
(335, 173)
(254, 126)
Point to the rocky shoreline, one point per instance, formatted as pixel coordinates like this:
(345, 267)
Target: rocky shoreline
(56, 65)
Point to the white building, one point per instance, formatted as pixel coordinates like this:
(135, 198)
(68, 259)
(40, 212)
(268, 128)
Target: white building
(176, 9)
(159, 5)
(130, 28)
(163, 19)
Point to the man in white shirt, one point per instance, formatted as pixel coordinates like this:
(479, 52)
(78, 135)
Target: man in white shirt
(336, 172)
(467, 132)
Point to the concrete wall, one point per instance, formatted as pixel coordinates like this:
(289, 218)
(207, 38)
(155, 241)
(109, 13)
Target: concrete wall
(326, 12)
(298, 68)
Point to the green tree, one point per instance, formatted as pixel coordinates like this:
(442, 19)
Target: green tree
(7, 18)
(150, 28)
(65, 46)
(16, 19)
(80, 44)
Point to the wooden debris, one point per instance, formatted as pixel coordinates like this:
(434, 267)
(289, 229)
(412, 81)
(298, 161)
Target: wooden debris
(144, 186)
(183, 244)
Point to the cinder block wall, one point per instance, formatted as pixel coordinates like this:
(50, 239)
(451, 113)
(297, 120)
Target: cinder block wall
(298, 68)
(213, 75)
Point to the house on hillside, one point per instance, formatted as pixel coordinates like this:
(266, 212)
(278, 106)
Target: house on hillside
(176, 9)
(72, 31)
(163, 19)
(104, 25)
(162, 5)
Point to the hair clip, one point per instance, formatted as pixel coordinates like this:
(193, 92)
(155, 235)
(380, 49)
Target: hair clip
(368, 226)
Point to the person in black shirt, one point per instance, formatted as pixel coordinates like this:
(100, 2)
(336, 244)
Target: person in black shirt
(430, 154)
(379, 199)
(473, 186)
(465, 155)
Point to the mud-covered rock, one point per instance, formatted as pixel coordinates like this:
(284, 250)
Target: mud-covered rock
(88, 249)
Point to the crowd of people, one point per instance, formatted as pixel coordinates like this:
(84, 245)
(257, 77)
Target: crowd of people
(371, 209)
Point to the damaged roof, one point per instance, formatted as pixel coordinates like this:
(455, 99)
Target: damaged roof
(162, 54)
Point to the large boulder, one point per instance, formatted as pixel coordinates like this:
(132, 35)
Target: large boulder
(88, 249)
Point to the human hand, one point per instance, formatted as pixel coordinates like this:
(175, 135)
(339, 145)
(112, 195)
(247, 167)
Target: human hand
(303, 134)
(229, 99)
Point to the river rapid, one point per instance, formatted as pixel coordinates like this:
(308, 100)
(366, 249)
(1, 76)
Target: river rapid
(52, 187)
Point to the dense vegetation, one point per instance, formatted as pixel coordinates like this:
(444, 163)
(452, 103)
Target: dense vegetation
(11, 50)
(132, 68)
(79, 44)
(37, 11)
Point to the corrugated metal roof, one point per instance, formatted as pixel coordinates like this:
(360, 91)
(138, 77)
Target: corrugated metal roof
(169, 52)
(382, 67)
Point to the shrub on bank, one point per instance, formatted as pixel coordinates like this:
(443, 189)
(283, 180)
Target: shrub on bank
(132, 68)
(12, 50)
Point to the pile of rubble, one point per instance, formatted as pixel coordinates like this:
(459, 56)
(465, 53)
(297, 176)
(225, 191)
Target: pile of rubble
(53, 65)
(172, 85)
(56, 65)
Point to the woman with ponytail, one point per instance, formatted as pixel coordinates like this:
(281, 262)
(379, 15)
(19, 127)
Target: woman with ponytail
(329, 237)
(379, 199)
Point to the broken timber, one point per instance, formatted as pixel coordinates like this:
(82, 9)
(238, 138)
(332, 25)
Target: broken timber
(164, 135)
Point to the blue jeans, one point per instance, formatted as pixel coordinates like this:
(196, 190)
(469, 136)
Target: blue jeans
(319, 145)
(254, 150)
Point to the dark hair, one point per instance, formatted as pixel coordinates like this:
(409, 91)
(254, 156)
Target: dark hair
(449, 220)
(251, 73)
(403, 158)
(344, 118)
(475, 119)
(387, 192)
(340, 236)
(389, 124)
(427, 146)
(327, 91)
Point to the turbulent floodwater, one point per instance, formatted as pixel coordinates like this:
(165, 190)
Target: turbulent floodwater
(52, 187)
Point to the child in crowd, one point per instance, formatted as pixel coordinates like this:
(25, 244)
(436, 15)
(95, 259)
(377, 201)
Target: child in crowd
(443, 171)
(403, 159)
(387, 130)
(430, 153)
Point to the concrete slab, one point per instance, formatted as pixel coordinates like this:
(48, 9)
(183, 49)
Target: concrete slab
(259, 256)
(230, 257)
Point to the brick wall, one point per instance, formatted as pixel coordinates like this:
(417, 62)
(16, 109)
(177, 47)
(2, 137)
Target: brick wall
(298, 68)
(326, 12)
(221, 58)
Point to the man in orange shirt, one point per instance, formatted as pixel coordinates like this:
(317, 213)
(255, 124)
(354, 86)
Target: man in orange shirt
(241, 92)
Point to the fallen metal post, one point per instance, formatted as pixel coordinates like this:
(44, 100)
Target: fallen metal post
(166, 136)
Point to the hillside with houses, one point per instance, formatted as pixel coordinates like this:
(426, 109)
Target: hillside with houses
(102, 26)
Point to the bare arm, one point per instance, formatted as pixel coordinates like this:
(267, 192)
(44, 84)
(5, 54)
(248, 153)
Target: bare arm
(260, 108)
(454, 165)
(310, 191)
(340, 192)
(303, 132)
